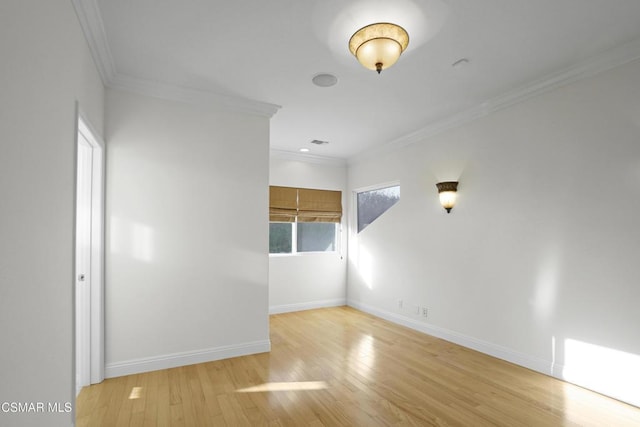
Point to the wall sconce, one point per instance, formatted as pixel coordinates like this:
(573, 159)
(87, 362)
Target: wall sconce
(447, 193)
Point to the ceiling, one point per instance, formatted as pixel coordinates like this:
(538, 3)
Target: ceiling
(243, 51)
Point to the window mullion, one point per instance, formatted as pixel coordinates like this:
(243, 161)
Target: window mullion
(294, 237)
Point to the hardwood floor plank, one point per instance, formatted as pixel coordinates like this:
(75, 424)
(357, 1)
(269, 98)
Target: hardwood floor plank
(342, 367)
(163, 411)
(151, 392)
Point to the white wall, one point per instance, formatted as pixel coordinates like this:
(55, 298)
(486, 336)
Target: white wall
(538, 261)
(310, 280)
(46, 68)
(187, 234)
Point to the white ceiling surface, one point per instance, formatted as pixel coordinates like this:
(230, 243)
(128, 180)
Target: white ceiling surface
(269, 51)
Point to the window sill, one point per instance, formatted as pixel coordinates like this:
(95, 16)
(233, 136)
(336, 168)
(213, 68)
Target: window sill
(298, 254)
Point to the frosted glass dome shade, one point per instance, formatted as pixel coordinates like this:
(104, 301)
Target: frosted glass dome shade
(448, 199)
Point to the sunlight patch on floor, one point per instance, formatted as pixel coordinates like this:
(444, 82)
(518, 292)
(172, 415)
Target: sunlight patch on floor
(136, 393)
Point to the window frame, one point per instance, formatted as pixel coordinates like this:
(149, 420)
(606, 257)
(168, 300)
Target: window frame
(294, 242)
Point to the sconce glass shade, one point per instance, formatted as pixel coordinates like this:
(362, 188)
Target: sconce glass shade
(447, 191)
(378, 46)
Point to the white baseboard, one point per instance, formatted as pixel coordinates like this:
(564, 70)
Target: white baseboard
(137, 366)
(287, 308)
(539, 365)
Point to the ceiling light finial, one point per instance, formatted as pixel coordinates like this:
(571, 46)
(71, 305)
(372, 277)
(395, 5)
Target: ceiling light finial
(378, 46)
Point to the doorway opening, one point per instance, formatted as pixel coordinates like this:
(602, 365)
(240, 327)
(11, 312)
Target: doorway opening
(89, 258)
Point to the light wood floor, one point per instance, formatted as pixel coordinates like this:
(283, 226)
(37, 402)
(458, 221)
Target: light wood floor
(341, 367)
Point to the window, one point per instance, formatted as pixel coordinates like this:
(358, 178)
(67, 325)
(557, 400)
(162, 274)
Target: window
(280, 241)
(303, 220)
(373, 203)
(298, 237)
(316, 237)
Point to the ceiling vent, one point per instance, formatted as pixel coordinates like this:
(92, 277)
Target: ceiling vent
(318, 142)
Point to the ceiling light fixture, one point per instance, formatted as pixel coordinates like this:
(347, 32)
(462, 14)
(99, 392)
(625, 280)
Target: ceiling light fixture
(378, 46)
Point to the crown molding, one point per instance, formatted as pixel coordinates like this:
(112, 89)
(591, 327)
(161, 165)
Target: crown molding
(307, 158)
(193, 96)
(605, 61)
(92, 25)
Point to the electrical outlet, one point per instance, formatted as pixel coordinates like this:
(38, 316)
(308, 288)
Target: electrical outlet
(425, 312)
(400, 303)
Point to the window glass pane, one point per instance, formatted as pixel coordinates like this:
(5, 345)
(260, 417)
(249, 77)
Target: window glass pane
(316, 237)
(280, 240)
(372, 204)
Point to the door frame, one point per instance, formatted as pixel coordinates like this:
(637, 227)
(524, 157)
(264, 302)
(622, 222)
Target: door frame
(95, 358)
